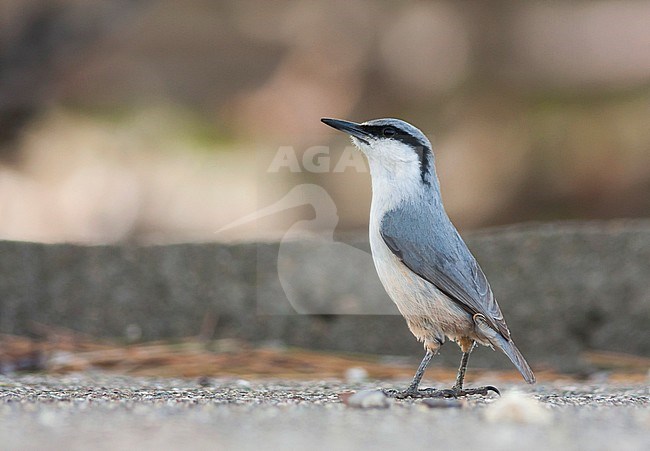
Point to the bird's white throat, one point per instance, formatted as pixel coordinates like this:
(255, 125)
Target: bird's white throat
(396, 174)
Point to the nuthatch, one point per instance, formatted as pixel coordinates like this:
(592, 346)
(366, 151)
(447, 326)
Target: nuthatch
(422, 262)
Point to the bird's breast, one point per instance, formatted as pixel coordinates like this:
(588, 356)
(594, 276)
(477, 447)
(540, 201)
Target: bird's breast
(428, 312)
(412, 294)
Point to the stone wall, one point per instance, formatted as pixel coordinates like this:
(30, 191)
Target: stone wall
(564, 288)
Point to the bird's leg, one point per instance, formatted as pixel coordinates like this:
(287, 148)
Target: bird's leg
(415, 383)
(460, 377)
(467, 345)
(413, 391)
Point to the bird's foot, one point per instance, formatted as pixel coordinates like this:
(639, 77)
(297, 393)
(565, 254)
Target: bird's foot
(454, 392)
(412, 392)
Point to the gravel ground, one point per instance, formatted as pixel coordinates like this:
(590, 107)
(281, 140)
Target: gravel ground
(109, 412)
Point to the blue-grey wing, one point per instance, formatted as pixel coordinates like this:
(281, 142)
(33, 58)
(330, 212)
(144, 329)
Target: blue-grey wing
(429, 245)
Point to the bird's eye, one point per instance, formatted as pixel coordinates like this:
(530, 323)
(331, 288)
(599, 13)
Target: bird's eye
(389, 132)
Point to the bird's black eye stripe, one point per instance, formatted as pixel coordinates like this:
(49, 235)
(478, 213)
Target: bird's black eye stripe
(389, 132)
(392, 132)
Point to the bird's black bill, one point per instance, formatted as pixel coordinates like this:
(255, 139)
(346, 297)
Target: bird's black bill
(348, 127)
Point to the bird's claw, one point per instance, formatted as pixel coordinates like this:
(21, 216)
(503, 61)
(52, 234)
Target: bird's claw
(444, 393)
(484, 391)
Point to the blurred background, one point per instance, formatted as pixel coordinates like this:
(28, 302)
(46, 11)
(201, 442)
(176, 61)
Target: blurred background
(134, 122)
(155, 121)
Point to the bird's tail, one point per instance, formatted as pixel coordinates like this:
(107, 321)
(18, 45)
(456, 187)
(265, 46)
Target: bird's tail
(508, 347)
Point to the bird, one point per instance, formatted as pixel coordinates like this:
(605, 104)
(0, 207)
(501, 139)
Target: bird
(423, 263)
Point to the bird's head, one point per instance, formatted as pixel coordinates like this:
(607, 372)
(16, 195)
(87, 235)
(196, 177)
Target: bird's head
(393, 144)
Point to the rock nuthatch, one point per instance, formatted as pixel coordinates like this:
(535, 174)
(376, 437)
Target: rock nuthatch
(422, 262)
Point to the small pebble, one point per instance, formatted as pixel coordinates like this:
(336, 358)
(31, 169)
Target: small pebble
(516, 407)
(204, 381)
(367, 399)
(243, 384)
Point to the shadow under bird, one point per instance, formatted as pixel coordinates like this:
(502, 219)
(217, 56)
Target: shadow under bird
(422, 262)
